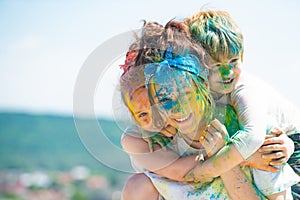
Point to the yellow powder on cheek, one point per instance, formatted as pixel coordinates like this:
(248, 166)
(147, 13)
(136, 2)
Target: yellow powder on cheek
(140, 103)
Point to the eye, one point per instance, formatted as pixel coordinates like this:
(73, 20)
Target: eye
(143, 114)
(215, 66)
(164, 100)
(234, 61)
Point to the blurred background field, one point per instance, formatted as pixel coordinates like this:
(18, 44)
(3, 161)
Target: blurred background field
(42, 157)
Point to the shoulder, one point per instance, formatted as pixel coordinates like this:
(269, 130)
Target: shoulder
(132, 142)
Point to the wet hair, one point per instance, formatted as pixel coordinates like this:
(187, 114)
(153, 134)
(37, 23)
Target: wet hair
(218, 34)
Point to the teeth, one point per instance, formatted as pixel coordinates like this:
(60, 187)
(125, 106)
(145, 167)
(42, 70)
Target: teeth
(182, 119)
(229, 81)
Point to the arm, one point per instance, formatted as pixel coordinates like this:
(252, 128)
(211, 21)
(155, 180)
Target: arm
(177, 169)
(251, 117)
(166, 162)
(163, 162)
(275, 151)
(238, 186)
(219, 163)
(235, 181)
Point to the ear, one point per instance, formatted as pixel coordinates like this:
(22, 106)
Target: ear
(242, 56)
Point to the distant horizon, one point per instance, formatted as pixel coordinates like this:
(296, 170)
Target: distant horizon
(51, 113)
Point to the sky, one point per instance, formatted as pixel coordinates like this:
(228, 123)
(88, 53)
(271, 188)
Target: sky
(45, 45)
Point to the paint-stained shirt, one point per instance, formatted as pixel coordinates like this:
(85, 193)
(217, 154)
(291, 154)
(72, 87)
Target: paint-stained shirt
(259, 108)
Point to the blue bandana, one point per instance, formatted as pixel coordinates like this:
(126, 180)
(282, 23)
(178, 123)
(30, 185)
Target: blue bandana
(187, 63)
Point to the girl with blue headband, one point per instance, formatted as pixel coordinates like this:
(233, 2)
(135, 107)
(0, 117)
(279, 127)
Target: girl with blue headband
(254, 103)
(196, 90)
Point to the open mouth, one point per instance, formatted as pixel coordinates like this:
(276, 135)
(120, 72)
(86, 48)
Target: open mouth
(183, 119)
(228, 82)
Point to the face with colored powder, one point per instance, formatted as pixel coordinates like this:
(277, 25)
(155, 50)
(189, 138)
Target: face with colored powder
(141, 110)
(178, 96)
(223, 76)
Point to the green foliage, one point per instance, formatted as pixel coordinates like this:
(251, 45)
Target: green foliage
(31, 142)
(10, 196)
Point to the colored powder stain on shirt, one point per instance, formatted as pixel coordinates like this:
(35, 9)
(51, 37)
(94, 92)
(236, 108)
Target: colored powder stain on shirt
(227, 116)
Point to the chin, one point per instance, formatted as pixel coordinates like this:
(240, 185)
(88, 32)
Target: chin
(192, 128)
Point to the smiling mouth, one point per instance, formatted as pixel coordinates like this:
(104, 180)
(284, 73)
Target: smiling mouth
(181, 120)
(228, 82)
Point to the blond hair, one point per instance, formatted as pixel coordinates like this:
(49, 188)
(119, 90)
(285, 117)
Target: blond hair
(218, 34)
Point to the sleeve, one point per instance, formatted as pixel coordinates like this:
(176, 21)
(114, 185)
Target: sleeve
(251, 109)
(132, 130)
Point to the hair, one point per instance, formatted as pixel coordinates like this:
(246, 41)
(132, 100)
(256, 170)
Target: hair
(218, 34)
(152, 46)
(156, 39)
(202, 92)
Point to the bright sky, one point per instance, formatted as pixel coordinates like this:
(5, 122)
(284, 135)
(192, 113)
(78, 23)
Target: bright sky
(44, 44)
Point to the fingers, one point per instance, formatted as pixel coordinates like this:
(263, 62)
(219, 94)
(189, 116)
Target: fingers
(207, 140)
(216, 124)
(270, 169)
(211, 134)
(212, 141)
(276, 131)
(190, 176)
(244, 163)
(276, 158)
(278, 162)
(273, 156)
(273, 140)
(150, 144)
(169, 131)
(271, 148)
(269, 136)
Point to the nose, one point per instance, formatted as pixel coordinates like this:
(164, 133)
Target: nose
(226, 71)
(180, 108)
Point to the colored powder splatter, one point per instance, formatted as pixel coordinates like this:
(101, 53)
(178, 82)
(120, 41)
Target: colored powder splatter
(227, 116)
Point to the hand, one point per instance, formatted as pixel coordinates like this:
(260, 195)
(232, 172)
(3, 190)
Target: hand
(278, 149)
(168, 131)
(156, 138)
(214, 138)
(191, 177)
(257, 161)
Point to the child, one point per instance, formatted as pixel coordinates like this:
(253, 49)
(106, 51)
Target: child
(219, 35)
(132, 88)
